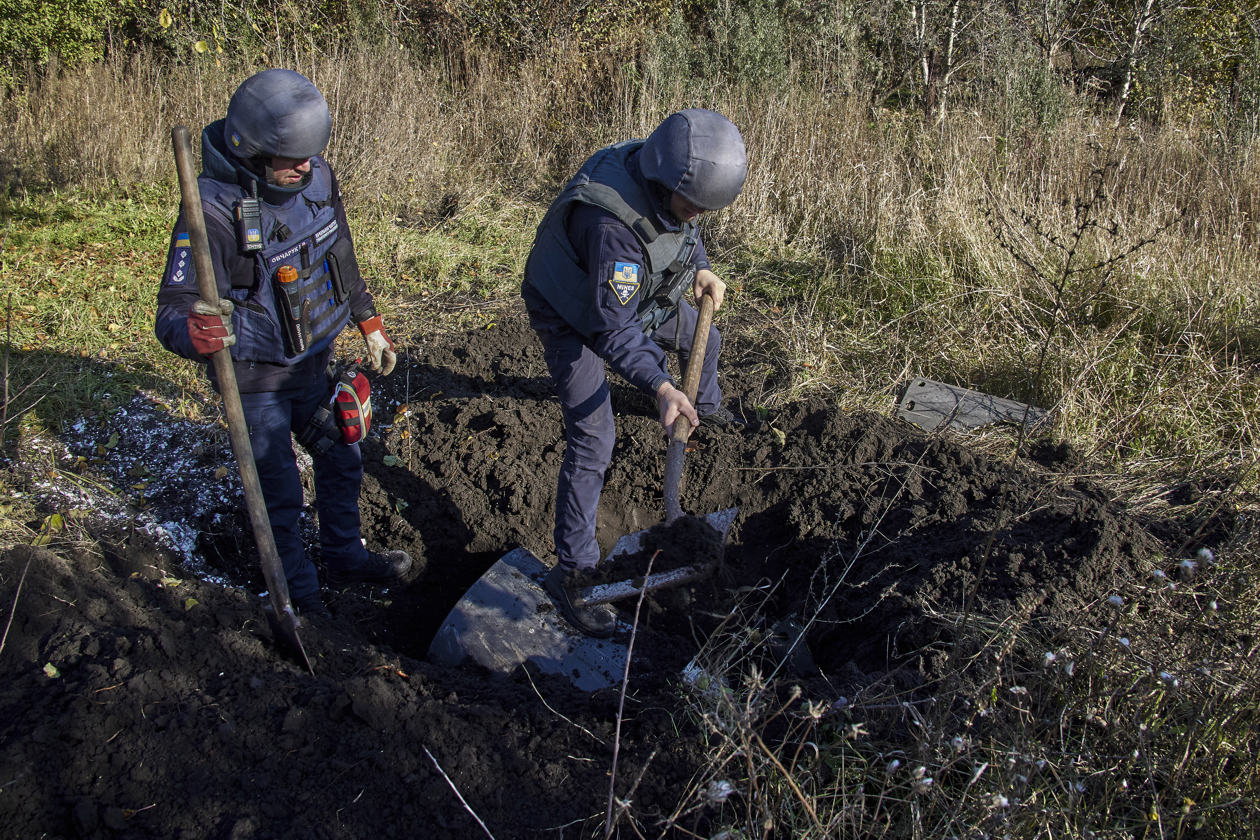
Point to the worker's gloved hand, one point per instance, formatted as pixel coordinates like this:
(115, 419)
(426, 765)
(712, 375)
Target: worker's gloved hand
(210, 327)
(674, 403)
(380, 349)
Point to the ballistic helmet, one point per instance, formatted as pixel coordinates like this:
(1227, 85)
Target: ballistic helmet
(277, 112)
(699, 155)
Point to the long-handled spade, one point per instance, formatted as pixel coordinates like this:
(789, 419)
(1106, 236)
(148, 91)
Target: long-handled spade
(674, 455)
(506, 618)
(284, 622)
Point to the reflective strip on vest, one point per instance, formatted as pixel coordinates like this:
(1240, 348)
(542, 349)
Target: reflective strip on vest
(311, 220)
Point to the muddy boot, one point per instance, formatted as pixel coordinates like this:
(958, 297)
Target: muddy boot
(725, 420)
(564, 585)
(311, 605)
(385, 568)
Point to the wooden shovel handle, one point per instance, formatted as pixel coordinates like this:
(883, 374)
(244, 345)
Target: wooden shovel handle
(238, 429)
(682, 426)
(699, 343)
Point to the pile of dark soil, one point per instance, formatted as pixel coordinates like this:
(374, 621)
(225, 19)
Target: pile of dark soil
(141, 700)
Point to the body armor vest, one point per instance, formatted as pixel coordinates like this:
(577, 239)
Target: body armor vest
(299, 233)
(604, 181)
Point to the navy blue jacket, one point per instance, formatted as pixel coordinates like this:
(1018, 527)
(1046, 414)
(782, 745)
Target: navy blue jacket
(236, 275)
(603, 245)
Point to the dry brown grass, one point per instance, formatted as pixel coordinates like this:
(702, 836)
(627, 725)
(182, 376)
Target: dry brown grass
(876, 232)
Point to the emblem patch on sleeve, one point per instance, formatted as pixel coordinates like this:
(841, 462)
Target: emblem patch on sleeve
(624, 281)
(180, 265)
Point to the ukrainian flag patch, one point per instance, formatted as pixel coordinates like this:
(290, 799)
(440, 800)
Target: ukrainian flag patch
(624, 281)
(180, 268)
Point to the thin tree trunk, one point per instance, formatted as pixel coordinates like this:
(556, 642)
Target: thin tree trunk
(947, 72)
(1141, 22)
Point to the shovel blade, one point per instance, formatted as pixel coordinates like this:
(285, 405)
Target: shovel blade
(506, 619)
(284, 627)
(720, 521)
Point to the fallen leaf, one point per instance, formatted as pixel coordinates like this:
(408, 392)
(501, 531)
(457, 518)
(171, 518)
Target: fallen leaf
(392, 461)
(170, 581)
(189, 603)
(138, 471)
(51, 670)
(113, 441)
(220, 473)
(779, 437)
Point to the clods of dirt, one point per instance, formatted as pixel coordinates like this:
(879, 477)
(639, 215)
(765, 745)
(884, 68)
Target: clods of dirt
(143, 695)
(688, 541)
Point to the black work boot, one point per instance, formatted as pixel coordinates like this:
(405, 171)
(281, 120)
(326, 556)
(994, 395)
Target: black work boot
(386, 568)
(311, 605)
(725, 419)
(564, 585)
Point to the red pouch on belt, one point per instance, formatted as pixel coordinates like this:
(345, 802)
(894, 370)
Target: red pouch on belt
(352, 405)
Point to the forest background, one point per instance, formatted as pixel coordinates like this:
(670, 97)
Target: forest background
(1052, 201)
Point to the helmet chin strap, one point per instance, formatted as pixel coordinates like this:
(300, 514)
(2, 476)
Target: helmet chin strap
(260, 167)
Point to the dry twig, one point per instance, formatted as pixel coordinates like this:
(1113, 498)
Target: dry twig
(458, 794)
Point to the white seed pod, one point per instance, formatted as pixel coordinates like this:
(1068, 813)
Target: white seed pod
(718, 791)
(1206, 557)
(892, 767)
(1188, 568)
(1116, 601)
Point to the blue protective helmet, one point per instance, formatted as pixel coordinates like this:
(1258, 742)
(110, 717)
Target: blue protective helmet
(277, 112)
(698, 154)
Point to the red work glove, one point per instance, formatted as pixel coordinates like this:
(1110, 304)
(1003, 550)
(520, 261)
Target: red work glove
(380, 349)
(209, 328)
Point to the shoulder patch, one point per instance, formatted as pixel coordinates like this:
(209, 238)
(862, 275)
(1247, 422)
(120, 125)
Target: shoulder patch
(181, 262)
(625, 281)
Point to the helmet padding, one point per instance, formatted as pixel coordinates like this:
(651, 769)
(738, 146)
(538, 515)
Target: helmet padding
(698, 154)
(277, 113)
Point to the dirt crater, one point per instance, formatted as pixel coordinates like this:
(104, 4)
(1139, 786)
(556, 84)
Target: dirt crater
(169, 712)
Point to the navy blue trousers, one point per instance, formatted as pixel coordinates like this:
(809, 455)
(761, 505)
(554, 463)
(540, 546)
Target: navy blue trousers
(578, 374)
(272, 417)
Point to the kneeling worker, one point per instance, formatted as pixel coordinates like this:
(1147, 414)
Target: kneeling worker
(273, 214)
(604, 283)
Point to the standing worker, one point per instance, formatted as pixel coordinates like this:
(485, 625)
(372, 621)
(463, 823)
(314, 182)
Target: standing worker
(273, 212)
(604, 283)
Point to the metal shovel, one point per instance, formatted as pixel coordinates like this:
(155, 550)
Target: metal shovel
(283, 620)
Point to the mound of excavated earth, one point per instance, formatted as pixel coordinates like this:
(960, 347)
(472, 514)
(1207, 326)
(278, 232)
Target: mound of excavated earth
(142, 693)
